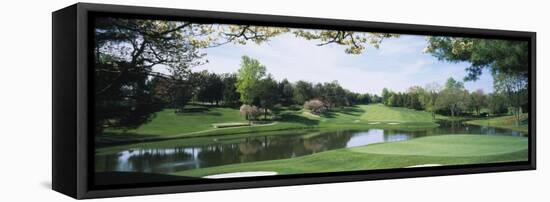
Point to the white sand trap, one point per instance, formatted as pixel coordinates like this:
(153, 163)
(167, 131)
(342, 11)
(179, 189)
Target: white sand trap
(374, 123)
(423, 165)
(393, 123)
(241, 174)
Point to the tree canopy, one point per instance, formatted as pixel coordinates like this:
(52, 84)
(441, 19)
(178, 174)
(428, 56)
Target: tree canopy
(501, 56)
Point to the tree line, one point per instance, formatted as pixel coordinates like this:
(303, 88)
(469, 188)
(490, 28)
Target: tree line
(454, 100)
(126, 50)
(253, 89)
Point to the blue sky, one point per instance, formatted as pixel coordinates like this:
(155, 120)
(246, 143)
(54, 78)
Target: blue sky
(398, 64)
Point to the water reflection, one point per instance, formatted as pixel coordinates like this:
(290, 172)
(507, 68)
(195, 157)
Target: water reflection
(269, 147)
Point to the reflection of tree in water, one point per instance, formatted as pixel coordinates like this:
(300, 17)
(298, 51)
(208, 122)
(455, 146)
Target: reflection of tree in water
(159, 160)
(328, 141)
(392, 134)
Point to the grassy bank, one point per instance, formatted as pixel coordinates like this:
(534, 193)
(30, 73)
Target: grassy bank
(506, 122)
(444, 150)
(199, 123)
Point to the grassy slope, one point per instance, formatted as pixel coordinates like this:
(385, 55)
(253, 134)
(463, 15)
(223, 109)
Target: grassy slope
(167, 124)
(507, 122)
(485, 149)
(379, 112)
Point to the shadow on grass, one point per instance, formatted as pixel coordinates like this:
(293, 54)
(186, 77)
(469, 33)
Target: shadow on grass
(298, 119)
(353, 110)
(112, 139)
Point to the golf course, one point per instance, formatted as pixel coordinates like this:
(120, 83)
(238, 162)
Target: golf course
(301, 142)
(202, 122)
(183, 100)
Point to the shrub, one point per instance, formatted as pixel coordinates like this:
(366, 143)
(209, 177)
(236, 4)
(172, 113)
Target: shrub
(316, 106)
(250, 112)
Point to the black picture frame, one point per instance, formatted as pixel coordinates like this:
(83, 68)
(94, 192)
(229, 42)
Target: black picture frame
(72, 144)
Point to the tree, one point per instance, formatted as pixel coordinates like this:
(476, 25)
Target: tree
(303, 91)
(385, 96)
(286, 92)
(268, 94)
(355, 40)
(248, 79)
(514, 87)
(497, 103)
(331, 93)
(413, 98)
(503, 56)
(477, 101)
(316, 106)
(210, 87)
(453, 97)
(126, 50)
(429, 96)
(230, 95)
(250, 112)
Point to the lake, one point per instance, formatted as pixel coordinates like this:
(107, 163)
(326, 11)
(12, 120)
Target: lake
(268, 147)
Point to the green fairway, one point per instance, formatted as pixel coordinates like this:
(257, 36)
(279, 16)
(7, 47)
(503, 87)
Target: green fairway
(507, 122)
(167, 125)
(450, 145)
(379, 112)
(443, 150)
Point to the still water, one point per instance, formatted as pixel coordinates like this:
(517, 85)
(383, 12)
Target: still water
(268, 147)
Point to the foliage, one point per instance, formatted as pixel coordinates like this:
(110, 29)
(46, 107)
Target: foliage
(268, 94)
(477, 101)
(211, 87)
(356, 41)
(248, 79)
(453, 97)
(316, 106)
(503, 56)
(230, 95)
(429, 96)
(514, 87)
(250, 112)
(286, 92)
(497, 103)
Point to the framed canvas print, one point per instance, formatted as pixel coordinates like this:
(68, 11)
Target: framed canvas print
(155, 100)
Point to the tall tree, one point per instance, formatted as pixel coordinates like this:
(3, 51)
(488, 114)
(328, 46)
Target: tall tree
(248, 79)
(453, 97)
(385, 96)
(210, 88)
(230, 95)
(503, 56)
(429, 97)
(514, 87)
(268, 94)
(286, 92)
(477, 100)
(303, 91)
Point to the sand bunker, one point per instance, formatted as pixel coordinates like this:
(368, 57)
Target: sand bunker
(423, 165)
(374, 123)
(241, 174)
(393, 123)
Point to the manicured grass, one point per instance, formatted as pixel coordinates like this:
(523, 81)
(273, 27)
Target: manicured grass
(169, 125)
(450, 145)
(379, 112)
(507, 122)
(444, 150)
(167, 122)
